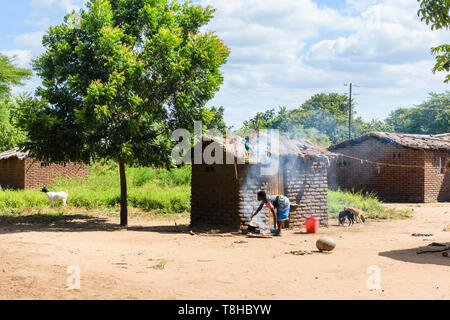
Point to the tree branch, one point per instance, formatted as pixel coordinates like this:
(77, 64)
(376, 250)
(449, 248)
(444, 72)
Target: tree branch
(180, 86)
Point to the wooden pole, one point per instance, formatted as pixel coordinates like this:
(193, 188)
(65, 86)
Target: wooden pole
(350, 113)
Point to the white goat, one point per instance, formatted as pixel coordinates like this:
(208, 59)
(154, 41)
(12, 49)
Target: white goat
(55, 196)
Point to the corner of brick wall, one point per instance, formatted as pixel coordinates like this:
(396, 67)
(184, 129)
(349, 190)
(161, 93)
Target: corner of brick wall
(437, 176)
(12, 173)
(39, 174)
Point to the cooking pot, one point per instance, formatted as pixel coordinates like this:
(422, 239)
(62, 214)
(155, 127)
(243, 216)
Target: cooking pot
(253, 227)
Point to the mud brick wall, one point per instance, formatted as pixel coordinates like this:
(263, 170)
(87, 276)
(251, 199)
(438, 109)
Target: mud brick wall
(437, 176)
(220, 199)
(12, 173)
(214, 196)
(250, 183)
(306, 186)
(391, 184)
(39, 174)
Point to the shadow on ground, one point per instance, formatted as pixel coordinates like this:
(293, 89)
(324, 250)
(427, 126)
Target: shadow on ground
(75, 223)
(411, 255)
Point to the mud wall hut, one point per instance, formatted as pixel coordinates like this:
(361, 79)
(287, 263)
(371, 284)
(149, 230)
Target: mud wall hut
(224, 195)
(397, 167)
(19, 171)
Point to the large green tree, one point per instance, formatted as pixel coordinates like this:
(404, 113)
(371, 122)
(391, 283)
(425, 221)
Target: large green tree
(430, 117)
(436, 14)
(117, 77)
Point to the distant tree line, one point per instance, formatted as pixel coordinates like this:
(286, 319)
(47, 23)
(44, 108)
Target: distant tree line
(324, 119)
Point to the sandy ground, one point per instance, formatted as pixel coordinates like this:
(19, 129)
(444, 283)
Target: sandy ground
(151, 260)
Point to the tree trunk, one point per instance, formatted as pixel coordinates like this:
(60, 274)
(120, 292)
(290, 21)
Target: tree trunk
(123, 195)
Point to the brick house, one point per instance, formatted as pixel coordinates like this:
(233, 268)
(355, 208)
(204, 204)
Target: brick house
(224, 195)
(19, 171)
(399, 167)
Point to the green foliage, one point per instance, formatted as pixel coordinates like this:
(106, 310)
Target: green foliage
(10, 135)
(323, 118)
(430, 117)
(213, 119)
(298, 132)
(367, 202)
(442, 59)
(142, 176)
(436, 14)
(288, 126)
(172, 178)
(152, 190)
(10, 75)
(118, 77)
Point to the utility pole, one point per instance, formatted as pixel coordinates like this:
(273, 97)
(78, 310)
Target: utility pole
(351, 85)
(350, 112)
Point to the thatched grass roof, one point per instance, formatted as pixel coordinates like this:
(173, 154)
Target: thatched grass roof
(14, 153)
(413, 141)
(286, 147)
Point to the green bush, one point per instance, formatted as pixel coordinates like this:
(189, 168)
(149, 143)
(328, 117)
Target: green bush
(143, 175)
(368, 202)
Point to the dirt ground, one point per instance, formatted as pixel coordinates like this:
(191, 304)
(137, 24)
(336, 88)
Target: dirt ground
(151, 260)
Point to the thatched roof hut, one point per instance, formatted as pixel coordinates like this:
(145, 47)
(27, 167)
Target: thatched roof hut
(224, 194)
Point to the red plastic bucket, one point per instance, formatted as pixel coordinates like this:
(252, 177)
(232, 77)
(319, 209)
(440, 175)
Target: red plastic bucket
(312, 224)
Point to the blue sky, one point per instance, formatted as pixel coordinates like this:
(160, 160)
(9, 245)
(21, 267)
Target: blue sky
(284, 51)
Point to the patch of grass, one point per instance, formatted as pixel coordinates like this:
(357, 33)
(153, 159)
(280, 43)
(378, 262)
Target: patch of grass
(152, 192)
(368, 202)
(158, 191)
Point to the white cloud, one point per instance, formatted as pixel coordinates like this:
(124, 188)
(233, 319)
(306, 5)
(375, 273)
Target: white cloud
(67, 5)
(41, 23)
(284, 51)
(30, 39)
(70, 5)
(390, 35)
(42, 3)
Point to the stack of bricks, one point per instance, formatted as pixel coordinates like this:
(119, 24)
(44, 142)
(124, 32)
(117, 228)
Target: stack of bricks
(306, 186)
(413, 176)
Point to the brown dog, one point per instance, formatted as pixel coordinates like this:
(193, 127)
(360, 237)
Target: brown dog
(358, 213)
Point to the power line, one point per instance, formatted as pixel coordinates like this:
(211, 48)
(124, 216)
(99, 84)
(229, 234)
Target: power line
(380, 163)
